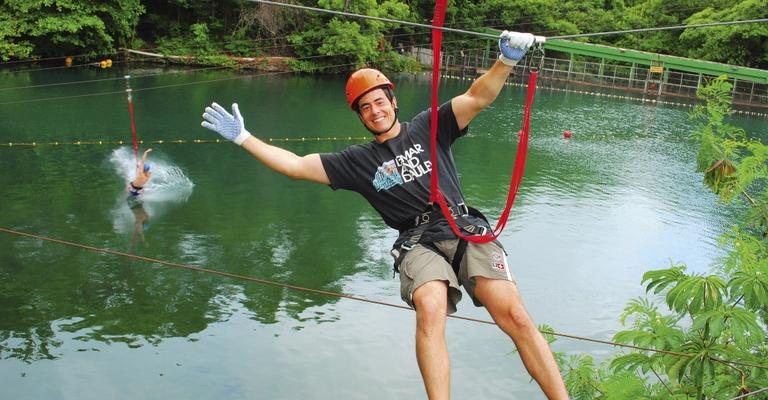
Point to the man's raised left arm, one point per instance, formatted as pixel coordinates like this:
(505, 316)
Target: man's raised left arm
(485, 89)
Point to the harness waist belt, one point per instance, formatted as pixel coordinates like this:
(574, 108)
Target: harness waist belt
(433, 215)
(420, 224)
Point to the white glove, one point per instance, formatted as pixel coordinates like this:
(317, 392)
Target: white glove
(231, 127)
(513, 46)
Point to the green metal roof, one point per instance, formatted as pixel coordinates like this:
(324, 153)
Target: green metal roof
(647, 58)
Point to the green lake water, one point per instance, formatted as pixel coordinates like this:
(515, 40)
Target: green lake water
(593, 213)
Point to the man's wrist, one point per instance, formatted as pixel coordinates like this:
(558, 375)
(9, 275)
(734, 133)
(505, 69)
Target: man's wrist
(507, 61)
(244, 134)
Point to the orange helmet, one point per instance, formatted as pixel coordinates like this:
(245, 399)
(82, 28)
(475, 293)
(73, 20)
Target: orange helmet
(362, 81)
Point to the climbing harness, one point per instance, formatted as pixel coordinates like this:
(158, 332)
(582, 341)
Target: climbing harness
(426, 219)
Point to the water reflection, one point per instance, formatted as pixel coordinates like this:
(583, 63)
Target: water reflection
(140, 224)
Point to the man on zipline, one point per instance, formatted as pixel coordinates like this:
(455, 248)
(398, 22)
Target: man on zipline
(392, 172)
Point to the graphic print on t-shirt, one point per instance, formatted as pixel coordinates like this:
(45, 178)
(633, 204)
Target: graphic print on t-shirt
(387, 176)
(403, 169)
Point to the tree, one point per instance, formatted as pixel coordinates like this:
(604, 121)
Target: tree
(745, 44)
(31, 28)
(348, 44)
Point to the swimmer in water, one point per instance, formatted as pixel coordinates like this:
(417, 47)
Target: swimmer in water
(136, 187)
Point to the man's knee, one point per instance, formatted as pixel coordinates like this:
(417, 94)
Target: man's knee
(431, 297)
(431, 303)
(517, 317)
(503, 301)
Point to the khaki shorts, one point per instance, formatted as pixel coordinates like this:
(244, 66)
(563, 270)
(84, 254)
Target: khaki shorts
(422, 264)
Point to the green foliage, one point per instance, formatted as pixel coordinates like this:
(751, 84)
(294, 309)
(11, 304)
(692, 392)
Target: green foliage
(717, 43)
(34, 28)
(696, 351)
(65, 27)
(530, 15)
(723, 146)
(240, 46)
(649, 327)
(345, 44)
(195, 42)
(580, 377)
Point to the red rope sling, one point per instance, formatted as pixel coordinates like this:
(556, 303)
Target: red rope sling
(522, 147)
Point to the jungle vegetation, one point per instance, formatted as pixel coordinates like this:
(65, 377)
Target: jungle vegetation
(213, 30)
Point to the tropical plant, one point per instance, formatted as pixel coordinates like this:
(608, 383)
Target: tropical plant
(711, 340)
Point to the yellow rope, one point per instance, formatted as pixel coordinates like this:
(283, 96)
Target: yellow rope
(173, 141)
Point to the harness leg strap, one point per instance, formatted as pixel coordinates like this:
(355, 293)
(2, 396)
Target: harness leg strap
(461, 249)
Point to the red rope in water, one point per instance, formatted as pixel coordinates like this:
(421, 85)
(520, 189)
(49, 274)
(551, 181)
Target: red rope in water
(522, 148)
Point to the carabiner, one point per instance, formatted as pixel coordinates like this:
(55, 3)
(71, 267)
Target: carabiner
(538, 51)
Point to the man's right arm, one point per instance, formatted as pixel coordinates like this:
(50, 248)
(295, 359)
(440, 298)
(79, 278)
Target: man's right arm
(308, 167)
(232, 127)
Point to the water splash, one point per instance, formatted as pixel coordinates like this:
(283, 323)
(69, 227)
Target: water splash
(168, 181)
(167, 187)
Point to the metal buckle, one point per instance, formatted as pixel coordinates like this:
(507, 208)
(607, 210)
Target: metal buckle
(463, 208)
(395, 253)
(423, 218)
(482, 231)
(407, 246)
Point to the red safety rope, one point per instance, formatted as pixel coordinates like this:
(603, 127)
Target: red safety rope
(133, 129)
(130, 112)
(435, 196)
(437, 43)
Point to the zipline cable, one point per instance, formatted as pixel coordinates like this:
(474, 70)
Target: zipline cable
(496, 36)
(662, 28)
(43, 85)
(381, 19)
(336, 294)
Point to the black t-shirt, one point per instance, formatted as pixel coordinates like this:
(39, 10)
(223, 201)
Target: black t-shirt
(394, 176)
